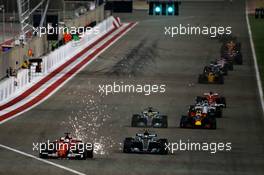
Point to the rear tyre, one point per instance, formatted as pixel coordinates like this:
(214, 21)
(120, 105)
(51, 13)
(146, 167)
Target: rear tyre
(90, 154)
(219, 112)
(212, 122)
(239, 59)
(127, 145)
(163, 145)
(164, 121)
(183, 122)
(134, 120)
(221, 79)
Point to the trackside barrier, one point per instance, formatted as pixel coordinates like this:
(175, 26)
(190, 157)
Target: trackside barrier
(13, 86)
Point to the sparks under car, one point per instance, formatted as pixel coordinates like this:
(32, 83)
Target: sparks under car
(66, 148)
(145, 143)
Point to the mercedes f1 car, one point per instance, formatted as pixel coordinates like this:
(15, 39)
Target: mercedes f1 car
(198, 117)
(66, 147)
(231, 50)
(149, 118)
(145, 143)
(211, 75)
(213, 99)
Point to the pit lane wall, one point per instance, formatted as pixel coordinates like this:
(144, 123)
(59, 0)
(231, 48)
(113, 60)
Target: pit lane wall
(15, 85)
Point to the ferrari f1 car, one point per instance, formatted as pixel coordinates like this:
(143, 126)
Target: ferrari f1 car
(147, 143)
(231, 50)
(66, 147)
(198, 118)
(149, 118)
(211, 75)
(213, 99)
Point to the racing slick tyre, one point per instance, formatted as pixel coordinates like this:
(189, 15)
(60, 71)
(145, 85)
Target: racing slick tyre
(184, 122)
(43, 156)
(43, 147)
(138, 121)
(225, 70)
(199, 99)
(218, 112)
(239, 59)
(134, 120)
(84, 155)
(89, 154)
(164, 121)
(230, 66)
(212, 122)
(221, 100)
(163, 145)
(221, 79)
(128, 145)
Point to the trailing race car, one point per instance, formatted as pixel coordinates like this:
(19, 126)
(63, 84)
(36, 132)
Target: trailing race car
(215, 67)
(149, 118)
(66, 147)
(212, 110)
(231, 50)
(225, 63)
(213, 99)
(145, 143)
(211, 76)
(198, 118)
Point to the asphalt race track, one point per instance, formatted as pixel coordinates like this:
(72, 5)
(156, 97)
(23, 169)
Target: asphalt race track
(146, 56)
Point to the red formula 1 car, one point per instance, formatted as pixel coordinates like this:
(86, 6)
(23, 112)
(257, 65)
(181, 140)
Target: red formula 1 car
(66, 147)
(213, 99)
(198, 118)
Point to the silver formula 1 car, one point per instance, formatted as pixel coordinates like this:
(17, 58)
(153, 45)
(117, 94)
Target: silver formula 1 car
(145, 143)
(149, 118)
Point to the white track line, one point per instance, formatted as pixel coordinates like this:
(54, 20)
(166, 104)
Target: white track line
(260, 89)
(42, 160)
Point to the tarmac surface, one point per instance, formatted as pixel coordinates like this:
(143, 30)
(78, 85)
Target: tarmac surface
(145, 55)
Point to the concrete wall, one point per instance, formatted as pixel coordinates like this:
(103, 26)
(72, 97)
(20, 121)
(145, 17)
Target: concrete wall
(40, 45)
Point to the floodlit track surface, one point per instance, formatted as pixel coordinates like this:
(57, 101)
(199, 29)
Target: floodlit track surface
(145, 55)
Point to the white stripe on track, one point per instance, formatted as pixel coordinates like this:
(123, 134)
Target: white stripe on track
(259, 83)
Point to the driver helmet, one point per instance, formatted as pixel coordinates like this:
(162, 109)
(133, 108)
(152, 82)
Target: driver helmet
(146, 132)
(150, 109)
(198, 113)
